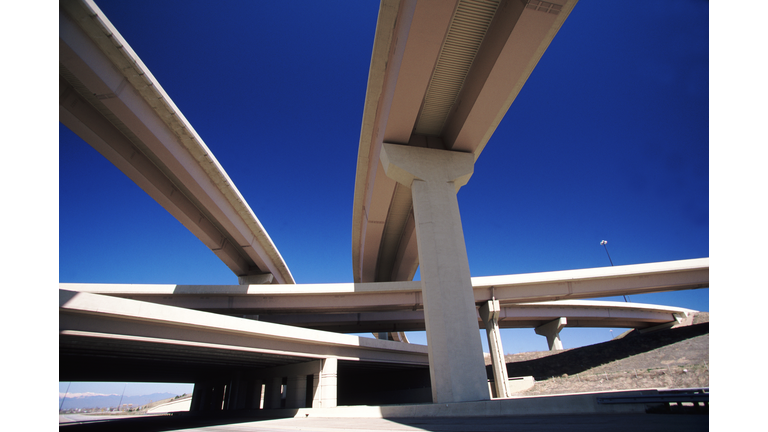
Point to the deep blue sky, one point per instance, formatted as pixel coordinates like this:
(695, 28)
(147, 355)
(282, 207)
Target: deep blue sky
(608, 139)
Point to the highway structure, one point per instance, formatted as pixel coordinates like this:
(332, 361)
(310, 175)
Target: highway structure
(442, 76)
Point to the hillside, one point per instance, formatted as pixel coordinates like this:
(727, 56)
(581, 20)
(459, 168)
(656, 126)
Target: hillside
(672, 358)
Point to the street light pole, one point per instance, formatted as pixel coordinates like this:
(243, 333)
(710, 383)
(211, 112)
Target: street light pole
(605, 245)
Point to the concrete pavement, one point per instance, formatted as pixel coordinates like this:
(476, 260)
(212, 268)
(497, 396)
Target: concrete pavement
(574, 423)
(533, 423)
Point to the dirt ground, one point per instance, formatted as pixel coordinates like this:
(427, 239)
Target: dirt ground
(672, 358)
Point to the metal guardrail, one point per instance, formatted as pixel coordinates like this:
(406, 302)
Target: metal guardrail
(663, 396)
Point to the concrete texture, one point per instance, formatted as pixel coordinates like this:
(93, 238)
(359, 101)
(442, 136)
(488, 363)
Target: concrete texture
(110, 99)
(551, 331)
(489, 313)
(406, 295)
(107, 93)
(422, 95)
(455, 349)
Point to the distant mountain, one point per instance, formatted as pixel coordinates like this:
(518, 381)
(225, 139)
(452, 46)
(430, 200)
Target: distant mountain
(108, 401)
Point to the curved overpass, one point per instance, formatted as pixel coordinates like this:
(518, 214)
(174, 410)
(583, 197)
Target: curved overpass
(443, 74)
(578, 313)
(407, 295)
(110, 99)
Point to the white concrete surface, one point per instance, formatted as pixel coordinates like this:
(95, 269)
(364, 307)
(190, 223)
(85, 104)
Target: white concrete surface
(99, 316)
(108, 94)
(406, 295)
(456, 361)
(551, 331)
(489, 313)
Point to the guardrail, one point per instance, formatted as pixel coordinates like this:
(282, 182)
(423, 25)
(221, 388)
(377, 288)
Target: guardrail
(673, 399)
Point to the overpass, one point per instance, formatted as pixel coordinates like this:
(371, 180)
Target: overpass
(110, 99)
(442, 76)
(578, 313)
(439, 84)
(103, 338)
(406, 295)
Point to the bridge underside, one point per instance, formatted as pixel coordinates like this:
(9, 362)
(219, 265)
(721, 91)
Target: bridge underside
(425, 122)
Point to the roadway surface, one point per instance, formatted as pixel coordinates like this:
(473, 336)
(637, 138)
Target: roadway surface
(535, 423)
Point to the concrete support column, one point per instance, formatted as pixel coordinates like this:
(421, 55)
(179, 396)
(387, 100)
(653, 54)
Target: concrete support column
(552, 331)
(456, 363)
(253, 396)
(273, 393)
(296, 392)
(325, 384)
(208, 396)
(243, 393)
(198, 394)
(489, 312)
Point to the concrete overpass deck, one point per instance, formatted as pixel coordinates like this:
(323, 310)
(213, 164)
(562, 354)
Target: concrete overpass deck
(109, 338)
(110, 99)
(578, 313)
(407, 296)
(443, 74)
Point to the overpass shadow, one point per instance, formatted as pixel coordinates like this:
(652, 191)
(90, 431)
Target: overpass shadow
(578, 360)
(177, 421)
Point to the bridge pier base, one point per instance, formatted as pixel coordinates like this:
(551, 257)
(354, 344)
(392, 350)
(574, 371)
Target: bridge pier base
(552, 331)
(456, 363)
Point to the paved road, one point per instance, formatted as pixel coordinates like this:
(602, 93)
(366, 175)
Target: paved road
(571, 423)
(626, 423)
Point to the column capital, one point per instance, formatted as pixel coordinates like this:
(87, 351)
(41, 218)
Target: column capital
(405, 164)
(551, 327)
(552, 331)
(489, 311)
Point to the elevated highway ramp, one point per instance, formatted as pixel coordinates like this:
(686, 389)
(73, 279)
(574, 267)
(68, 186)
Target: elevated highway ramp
(356, 298)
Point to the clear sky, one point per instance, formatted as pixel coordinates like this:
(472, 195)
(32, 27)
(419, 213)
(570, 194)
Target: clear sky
(608, 140)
